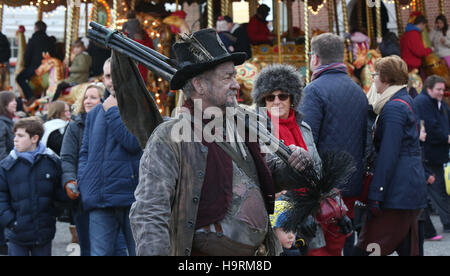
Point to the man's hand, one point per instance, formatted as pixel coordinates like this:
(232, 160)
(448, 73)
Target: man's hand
(423, 135)
(299, 158)
(109, 102)
(431, 179)
(72, 191)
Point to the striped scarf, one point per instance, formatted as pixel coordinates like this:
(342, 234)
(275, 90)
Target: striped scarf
(333, 66)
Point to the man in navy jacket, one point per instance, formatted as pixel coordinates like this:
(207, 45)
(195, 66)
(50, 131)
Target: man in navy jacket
(107, 176)
(336, 109)
(435, 114)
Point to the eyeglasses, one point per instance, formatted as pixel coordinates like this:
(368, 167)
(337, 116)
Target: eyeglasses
(374, 74)
(311, 53)
(281, 97)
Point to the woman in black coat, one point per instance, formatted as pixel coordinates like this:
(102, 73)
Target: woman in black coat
(8, 107)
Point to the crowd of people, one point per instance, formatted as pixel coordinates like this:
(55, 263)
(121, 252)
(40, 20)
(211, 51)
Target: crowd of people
(216, 198)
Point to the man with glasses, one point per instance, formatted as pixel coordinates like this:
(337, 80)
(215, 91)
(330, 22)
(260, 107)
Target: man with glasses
(336, 109)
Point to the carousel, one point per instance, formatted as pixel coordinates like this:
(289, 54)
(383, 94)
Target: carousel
(294, 24)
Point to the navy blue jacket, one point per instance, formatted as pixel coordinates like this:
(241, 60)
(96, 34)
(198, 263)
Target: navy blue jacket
(336, 109)
(437, 126)
(108, 166)
(398, 181)
(27, 195)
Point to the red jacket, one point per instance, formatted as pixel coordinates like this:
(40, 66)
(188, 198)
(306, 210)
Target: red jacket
(142, 69)
(257, 31)
(412, 48)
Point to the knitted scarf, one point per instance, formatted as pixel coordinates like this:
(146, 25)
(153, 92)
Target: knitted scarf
(288, 130)
(385, 97)
(323, 68)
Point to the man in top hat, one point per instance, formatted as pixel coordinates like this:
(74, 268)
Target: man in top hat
(197, 197)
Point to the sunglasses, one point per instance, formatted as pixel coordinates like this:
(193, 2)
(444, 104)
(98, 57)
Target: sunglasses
(281, 97)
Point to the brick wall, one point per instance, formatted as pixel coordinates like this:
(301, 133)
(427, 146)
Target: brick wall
(320, 21)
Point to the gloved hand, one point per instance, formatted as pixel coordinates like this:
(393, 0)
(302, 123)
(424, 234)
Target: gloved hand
(374, 208)
(308, 227)
(346, 225)
(72, 191)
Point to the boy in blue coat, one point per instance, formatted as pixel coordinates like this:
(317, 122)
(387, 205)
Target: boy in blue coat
(29, 185)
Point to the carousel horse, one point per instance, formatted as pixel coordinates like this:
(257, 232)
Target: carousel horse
(52, 70)
(20, 64)
(365, 59)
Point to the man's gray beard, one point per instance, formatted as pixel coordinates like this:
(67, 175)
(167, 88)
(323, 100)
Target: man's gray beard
(230, 103)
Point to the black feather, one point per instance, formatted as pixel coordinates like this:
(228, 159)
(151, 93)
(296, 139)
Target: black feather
(337, 169)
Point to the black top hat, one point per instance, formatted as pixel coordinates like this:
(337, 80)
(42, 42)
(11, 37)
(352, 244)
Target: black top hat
(201, 51)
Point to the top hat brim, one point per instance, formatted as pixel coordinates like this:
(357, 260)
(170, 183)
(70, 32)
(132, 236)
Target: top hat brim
(189, 71)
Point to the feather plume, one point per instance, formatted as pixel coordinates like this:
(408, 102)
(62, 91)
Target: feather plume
(196, 47)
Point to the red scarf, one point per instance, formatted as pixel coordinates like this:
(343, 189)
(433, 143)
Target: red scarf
(289, 131)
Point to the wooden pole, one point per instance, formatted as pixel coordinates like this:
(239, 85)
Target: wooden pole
(398, 13)
(442, 6)
(370, 30)
(290, 22)
(40, 12)
(1, 14)
(95, 10)
(330, 16)
(71, 8)
(210, 13)
(338, 32)
(307, 57)
(86, 18)
(223, 7)
(378, 17)
(66, 13)
(114, 13)
(278, 31)
(346, 30)
(359, 10)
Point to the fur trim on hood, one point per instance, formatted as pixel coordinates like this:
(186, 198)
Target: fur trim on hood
(281, 77)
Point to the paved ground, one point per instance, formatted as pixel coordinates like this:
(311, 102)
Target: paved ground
(63, 247)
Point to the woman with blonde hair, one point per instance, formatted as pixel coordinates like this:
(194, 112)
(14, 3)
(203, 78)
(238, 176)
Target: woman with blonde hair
(397, 192)
(71, 145)
(440, 38)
